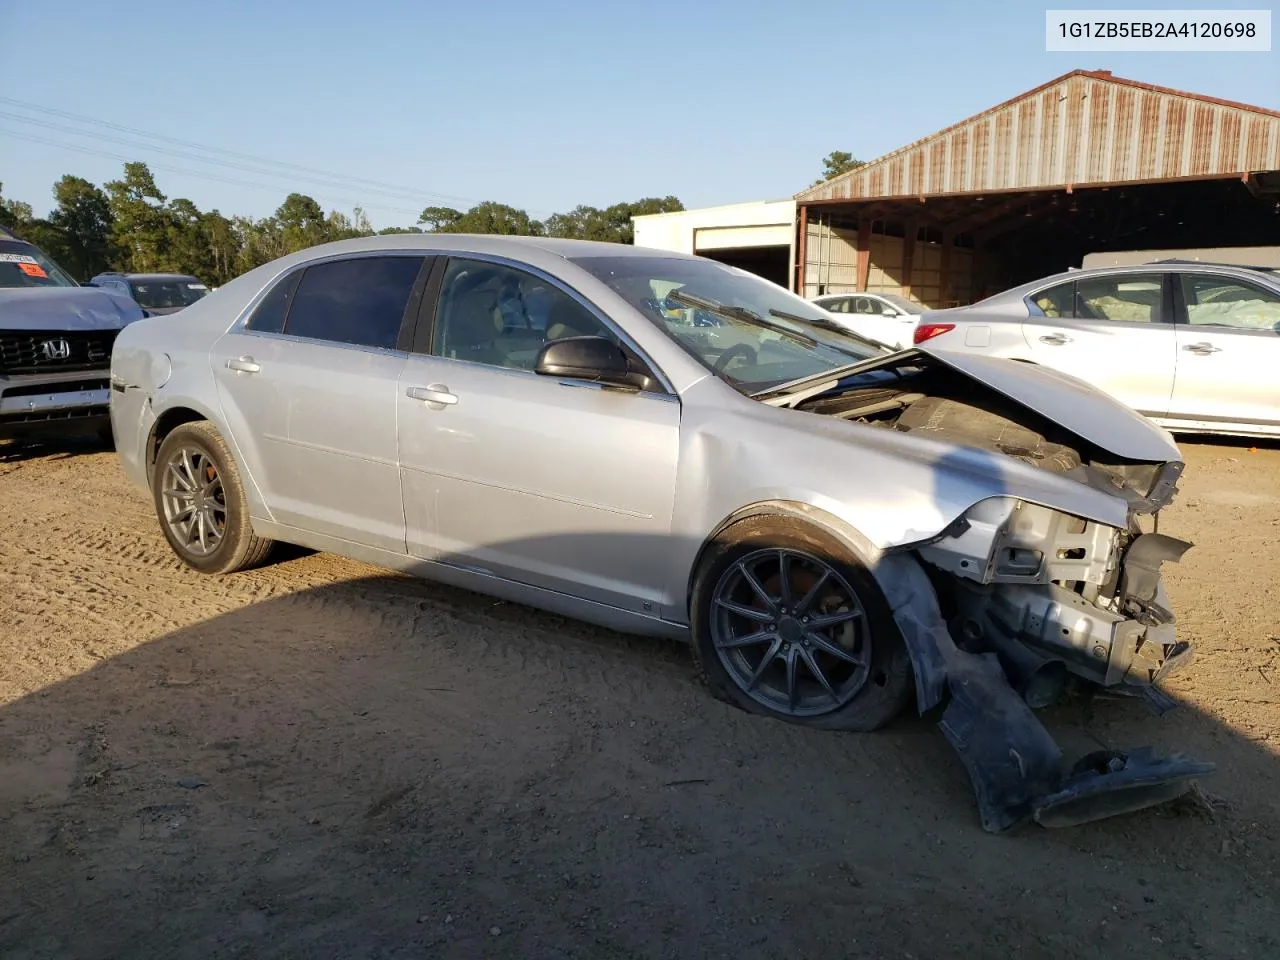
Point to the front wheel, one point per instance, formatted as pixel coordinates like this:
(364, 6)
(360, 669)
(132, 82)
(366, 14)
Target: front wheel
(200, 502)
(789, 623)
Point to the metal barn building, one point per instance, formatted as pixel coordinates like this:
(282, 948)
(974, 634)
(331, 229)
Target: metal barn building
(1088, 163)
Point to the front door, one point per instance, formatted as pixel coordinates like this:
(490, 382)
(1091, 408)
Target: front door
(1115, 331)
(1228, 353)
(555, 483)
(317, 398)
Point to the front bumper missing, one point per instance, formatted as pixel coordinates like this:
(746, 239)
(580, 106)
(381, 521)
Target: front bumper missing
(1016, 768)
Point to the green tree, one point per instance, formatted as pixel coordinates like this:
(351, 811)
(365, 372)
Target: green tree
(259, 242)
(141, 223)
(84, 219)
(18, 217)
(302, 223)
(14, 213)
(488, 217)
(187, 250)
(439, 219)
(837, 162)
(612, 225)
(223, 245)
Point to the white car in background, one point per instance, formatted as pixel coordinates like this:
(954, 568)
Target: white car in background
(1194, 346)
(883, 317)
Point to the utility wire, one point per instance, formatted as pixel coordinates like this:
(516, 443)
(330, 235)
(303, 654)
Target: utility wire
(201, 175)
(397, 191)
(206, 148)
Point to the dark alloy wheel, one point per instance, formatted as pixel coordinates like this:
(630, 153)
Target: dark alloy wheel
(788, 623)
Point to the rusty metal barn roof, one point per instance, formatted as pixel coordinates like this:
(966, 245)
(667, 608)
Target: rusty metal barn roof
(1085, 128)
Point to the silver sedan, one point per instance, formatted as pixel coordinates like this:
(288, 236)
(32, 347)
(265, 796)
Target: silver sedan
(665, 445)
(1194, 346)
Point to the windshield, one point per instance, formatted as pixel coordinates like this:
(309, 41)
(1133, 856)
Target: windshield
(22, 265)
(751, 333)
(903, 304)
(159, 294)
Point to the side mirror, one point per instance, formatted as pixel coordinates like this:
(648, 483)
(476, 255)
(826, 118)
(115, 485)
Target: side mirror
(597, 359)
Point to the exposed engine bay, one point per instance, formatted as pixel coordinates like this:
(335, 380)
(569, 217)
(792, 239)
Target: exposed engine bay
(1015, 604)
(931, 400)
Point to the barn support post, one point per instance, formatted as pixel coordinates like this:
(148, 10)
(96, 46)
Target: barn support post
(800, 276)
(864, 254)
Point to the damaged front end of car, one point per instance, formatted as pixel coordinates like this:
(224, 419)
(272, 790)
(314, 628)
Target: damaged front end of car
(1012, 606)
(1045, 584)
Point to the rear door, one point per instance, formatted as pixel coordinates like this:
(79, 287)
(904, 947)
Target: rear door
(309, 386)
(1228, 353)
(1115, 331)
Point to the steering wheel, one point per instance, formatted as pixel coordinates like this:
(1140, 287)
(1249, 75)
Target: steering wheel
(722, 361)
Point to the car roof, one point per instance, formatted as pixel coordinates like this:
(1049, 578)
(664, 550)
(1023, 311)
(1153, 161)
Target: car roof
(145, 277)
(487, 243)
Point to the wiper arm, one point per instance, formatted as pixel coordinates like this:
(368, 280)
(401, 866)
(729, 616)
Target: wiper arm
(739, 313)
(824, 324)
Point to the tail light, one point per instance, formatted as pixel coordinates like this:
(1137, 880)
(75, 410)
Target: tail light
(927, 331)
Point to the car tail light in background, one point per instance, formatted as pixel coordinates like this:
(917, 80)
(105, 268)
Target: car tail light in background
(927, 331)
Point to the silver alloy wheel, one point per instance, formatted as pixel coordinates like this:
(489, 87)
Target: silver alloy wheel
(791, 632)
(195, 505)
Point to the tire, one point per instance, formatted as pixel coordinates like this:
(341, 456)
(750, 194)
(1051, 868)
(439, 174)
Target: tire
(222, 502)
(848, 603)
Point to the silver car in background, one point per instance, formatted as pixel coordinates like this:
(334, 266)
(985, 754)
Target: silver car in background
(1194, 346)
(837, 531)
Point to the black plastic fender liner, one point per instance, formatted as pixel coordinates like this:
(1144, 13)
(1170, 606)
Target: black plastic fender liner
(1014, 764)
(915, 609)
(1113, 782)
(1012, 760)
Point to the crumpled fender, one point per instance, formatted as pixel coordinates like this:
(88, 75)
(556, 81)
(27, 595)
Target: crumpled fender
(1015, 766)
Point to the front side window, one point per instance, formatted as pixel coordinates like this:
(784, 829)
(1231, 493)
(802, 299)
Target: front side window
(497, 315)
(1215, 301)
(867, 305)
(22, 265)
(360, 301)
(751, 333)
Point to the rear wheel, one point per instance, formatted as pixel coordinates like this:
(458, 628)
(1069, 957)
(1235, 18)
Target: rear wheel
(788, 622)
(200, 502)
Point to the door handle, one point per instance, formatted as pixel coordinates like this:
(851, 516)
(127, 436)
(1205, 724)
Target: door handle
(243, 365)
(1203, 349)
(1057, 339)
(433, 393)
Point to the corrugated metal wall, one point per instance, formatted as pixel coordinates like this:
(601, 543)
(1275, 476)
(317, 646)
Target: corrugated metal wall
(1082, 129)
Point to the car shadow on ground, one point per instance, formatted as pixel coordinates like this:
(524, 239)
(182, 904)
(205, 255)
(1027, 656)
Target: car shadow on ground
(19, 450)
(384, 767)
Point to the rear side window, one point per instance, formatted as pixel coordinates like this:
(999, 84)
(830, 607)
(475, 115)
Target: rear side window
(271, 311)
(359, 301)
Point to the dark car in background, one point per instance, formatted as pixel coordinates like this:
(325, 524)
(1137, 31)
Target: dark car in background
(155, 293)
(55, 345)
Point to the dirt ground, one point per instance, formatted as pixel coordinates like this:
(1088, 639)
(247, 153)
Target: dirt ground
(318, 759)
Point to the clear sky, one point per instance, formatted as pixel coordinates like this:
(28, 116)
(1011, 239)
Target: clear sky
(543, 104)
